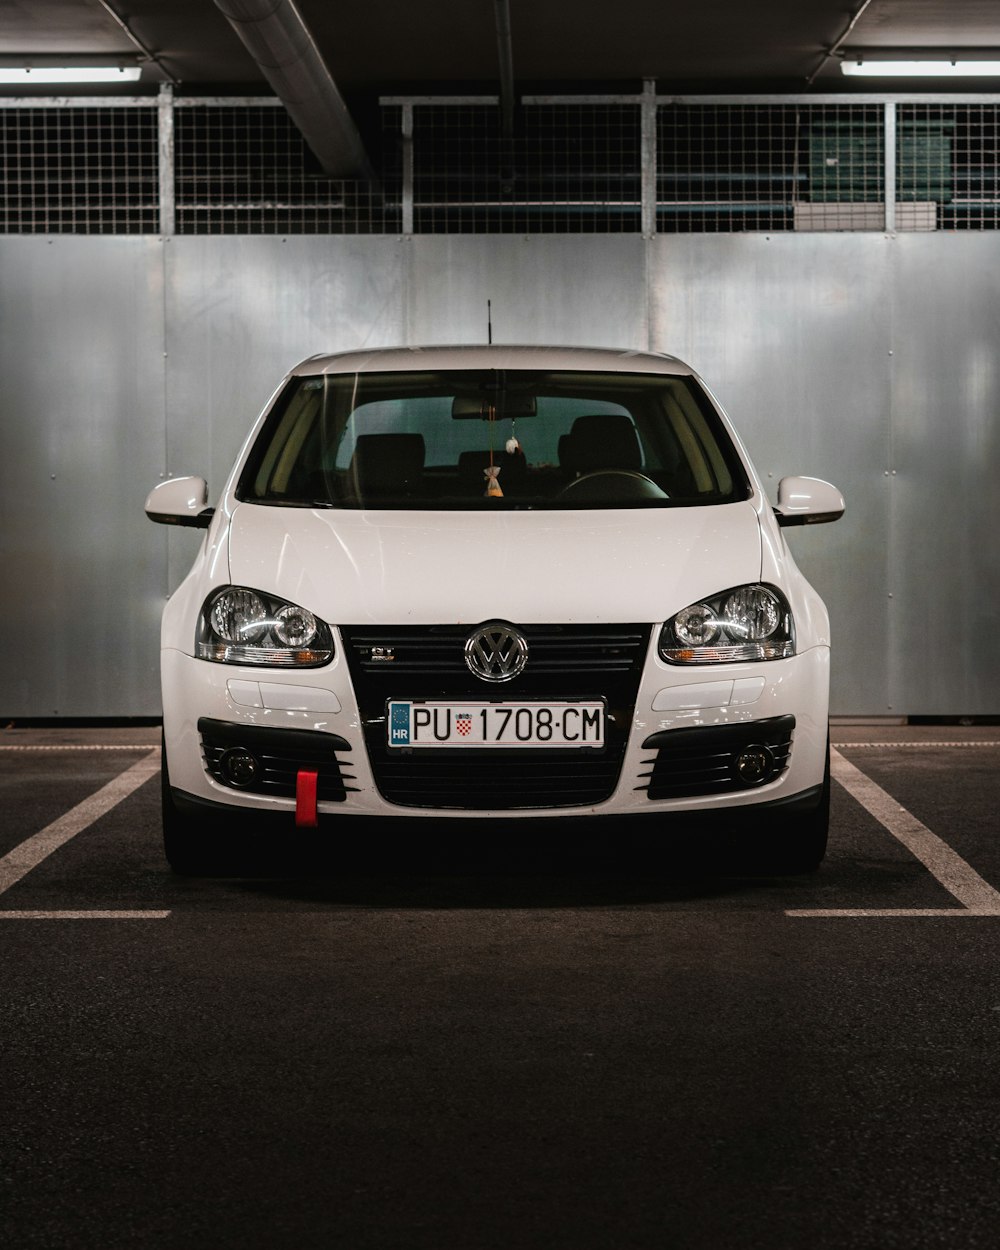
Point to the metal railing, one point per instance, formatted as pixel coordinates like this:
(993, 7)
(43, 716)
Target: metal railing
(641, 163)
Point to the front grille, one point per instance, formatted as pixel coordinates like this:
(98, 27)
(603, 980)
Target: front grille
(698, 762)
(554, 650)
(282, 753)
(564, 662)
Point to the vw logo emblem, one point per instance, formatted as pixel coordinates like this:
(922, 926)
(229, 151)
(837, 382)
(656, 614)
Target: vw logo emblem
(496, 652)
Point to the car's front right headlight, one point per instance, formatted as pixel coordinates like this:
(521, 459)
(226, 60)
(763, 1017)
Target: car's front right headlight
(746, 623)
(238, 625)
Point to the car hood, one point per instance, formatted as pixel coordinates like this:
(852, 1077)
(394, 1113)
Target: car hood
(458, 567)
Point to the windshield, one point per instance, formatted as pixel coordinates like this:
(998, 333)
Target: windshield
(493, 439)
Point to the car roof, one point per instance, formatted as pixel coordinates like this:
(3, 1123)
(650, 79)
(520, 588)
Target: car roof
(418, 359)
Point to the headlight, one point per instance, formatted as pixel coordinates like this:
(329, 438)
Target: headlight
(746, 623)
(241, 626)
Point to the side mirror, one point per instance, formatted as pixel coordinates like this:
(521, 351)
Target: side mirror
(180, 501)
(807, 501)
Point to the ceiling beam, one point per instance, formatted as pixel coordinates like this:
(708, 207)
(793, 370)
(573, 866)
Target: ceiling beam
(130, 34)
(275, 35)
(835, 47)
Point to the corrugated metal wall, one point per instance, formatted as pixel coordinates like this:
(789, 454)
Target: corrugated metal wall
(864, 358)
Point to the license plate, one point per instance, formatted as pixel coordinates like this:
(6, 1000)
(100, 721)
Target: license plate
(436, 724)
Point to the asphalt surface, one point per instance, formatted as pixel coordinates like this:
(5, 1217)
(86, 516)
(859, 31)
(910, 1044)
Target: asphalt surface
(595, 1039)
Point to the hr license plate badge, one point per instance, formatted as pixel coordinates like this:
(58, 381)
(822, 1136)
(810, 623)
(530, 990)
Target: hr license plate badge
(434, 724)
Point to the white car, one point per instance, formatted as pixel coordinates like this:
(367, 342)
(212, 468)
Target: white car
(500, 582)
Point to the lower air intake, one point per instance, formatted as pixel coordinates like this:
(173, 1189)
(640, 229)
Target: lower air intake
(280, 754)
(718, 759)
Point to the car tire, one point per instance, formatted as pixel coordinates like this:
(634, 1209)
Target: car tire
(190, 848)
(798, 843)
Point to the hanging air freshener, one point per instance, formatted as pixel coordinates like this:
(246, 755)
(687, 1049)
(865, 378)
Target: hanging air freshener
(492, 471)
(512, 446)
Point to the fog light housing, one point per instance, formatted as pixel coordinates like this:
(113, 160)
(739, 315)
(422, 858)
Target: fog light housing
(240, 768)
(754, 765)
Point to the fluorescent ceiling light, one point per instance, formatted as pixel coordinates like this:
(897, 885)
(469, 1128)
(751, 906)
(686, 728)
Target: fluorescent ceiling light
(922, 69)
(43, 75)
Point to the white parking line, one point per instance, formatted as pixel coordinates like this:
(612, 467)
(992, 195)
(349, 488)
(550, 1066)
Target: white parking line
(987, 743)
(83, 915)
(16, 863)
(75, 746)
(976, 896)
(892, 912)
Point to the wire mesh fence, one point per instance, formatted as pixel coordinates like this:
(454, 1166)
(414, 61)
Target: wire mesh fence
(560, 168)
(769, 167)
(91, 170)
(951, 156)
(245, 169)
(619, 164)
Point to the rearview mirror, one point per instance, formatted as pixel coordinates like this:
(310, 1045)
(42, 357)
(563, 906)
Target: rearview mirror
(807, 501)
(508, 404)
(180, 501)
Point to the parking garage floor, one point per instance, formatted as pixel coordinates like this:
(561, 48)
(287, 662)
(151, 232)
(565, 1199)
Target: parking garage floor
(602, 1040)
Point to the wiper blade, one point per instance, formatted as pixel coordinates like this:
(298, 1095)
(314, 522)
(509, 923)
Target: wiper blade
(274, 501)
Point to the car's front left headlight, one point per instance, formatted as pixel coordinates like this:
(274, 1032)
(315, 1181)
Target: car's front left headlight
(746, 623)
(242, 626)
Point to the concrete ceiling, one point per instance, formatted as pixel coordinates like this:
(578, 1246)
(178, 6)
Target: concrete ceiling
(329, 62)
(565, 45)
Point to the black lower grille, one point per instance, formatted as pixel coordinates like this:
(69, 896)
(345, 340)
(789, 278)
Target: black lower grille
(564, 662)
(698, 762)
(505, 781)
(281, 753)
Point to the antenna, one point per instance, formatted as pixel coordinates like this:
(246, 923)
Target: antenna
(489, 322)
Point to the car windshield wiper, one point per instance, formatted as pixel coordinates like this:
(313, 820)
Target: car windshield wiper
(275, 501)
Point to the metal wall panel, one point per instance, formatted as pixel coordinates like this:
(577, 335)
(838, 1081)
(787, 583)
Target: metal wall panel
(945, 514)
(567, 289)
(81, 410)
(125, 358)
(792, 333)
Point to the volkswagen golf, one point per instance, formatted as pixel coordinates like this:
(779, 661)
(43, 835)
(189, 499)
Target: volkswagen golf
(494, 583)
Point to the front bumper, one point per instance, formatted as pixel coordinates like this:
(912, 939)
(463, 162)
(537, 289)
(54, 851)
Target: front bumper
(737, 702)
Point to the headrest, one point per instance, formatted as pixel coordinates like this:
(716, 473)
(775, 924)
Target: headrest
(387, 464)
(601, 441)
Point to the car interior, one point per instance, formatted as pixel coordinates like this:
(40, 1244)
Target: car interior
(460, 451)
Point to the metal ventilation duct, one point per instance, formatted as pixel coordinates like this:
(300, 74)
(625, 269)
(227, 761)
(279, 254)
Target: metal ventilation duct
(280, 42)
(505, 54)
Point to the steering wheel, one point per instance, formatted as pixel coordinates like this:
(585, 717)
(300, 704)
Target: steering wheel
(612, 484)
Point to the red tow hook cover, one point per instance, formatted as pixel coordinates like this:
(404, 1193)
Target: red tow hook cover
(305, 799)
